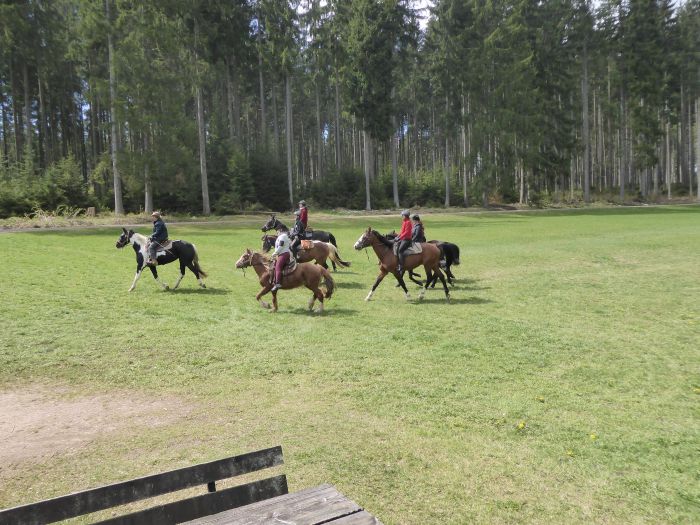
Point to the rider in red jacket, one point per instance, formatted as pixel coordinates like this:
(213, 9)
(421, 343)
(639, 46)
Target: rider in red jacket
(404, 237)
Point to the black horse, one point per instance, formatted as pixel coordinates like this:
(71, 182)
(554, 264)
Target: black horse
(182, 251)
(312, 235)
(449, 255)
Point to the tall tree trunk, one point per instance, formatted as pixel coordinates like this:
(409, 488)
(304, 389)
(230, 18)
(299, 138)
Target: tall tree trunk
(288, 133)
(319, 135)
(201, 129)
(368, 167)
(668, 160)
(27, 112)
(697, 146)
(118, 203)
(394, 162)
(5, 126)
(147, 190)
(230, 97)
(586, 131)
(263, 123)
(624, 158)
(16, 118)
(206, 208)
(338, 158)
(275, 120)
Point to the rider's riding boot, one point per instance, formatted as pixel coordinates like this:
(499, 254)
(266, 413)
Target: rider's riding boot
(276, 287)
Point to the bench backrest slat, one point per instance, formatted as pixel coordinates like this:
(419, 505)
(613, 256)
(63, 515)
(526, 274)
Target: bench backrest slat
(206, 504)
(101, 498)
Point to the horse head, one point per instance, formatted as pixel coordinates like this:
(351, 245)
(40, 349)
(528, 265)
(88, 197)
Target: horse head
(124, 238)
(270, 224)
(365, 239)
(268, 242)
(245, 259)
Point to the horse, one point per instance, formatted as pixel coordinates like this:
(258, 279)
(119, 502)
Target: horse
(307, 274)
(319, 252)
(449, 255)
(182, 251)
(383, 248)
(312, 235)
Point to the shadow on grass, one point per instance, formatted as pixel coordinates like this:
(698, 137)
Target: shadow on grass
(329, 310)
(349, 285)
(203, 291)
(453, 300)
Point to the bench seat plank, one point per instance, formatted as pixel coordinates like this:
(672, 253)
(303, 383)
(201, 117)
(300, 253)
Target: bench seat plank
(321, 504)
(359, 518)
(198, 506)
(93, 500)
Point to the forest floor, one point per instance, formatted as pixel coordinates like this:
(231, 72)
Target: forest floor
(560, 385)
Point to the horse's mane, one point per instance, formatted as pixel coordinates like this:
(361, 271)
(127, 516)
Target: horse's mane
(264, 257)
(139, 238)
(383, 239)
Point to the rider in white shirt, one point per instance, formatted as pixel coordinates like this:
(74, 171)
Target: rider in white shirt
(283, 254)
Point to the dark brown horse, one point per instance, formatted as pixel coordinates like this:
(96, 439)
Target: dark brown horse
(319, 252)
(306, 274)
(429, 258)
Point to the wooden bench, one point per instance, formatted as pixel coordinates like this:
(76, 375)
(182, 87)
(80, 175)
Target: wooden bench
(215, 501)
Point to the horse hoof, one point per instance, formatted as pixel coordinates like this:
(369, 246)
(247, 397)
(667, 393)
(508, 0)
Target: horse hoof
(166, 287)
(204, 285)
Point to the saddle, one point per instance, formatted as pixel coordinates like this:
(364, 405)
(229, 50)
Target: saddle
(163, 247)
(288, 268)
(411, 250)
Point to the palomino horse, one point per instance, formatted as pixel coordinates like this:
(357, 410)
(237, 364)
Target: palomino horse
(182, 251)
(429, 258)
(307, 274)
(319, 252)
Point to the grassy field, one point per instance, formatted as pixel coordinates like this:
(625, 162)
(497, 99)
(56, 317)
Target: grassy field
(561, 385)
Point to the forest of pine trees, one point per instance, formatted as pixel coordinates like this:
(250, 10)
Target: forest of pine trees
(218, 106)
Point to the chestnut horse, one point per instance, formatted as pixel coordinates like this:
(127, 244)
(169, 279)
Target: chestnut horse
(383, 248)
(319, 252)
(307, 274)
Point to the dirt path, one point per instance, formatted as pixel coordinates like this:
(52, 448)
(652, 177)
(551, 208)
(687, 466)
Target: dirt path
(39, 421)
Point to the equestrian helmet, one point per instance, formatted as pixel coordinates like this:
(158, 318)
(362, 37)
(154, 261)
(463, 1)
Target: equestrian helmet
(405, 213)
(302, 203)
(156, 214)
(415, 217)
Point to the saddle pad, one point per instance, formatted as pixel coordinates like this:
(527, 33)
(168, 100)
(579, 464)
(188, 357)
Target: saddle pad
(165, 245)
(307, 245)
(290, 267)
(411, 250)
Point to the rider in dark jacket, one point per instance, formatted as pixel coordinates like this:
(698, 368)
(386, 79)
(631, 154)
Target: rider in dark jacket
(159, 235)
(297, 233)
(418, 231)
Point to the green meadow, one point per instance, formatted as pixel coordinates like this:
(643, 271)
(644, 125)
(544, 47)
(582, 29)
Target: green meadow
(560, 385)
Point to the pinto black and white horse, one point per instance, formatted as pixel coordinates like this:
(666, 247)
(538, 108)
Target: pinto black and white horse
(182, 251)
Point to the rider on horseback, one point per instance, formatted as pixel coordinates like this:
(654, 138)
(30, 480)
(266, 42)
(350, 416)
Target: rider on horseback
(404, 238)
(283, 254)
(418, 231)
(302, 218)
(158, 236)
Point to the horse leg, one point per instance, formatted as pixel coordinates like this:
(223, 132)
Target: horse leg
(274, 301)
(155, 276)
(136, 278)
(402, 284)
(380, 277)
(262, 292)
(444, 285)
(195, 271)
(319, 295)
(429, 278)
(182, 274)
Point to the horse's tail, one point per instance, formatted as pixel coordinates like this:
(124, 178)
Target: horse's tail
(455, 253)
(335, 256)
(331, 239)
(330, 284)
(195, 261)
